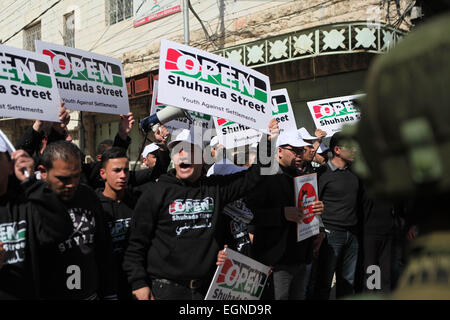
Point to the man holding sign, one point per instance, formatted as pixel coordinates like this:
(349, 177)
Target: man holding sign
(237, 278)
(275, 222)
(178, 226)
(29, 221)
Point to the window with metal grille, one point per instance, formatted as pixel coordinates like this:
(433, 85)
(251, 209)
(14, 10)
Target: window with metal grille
(69, 30)
(30, 34)
(118, 10)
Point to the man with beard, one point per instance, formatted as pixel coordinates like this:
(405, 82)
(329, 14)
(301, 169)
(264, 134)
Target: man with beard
(29, 222)
(78, 267)
(275, 222)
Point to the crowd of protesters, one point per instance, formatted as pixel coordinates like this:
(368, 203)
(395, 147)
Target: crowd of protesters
(72, 230)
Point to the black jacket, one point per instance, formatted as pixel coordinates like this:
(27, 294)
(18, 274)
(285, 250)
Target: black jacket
(275, 238)
(88, 247)
(118, 216)
(238, 216)
(178, 227)
(30, 220)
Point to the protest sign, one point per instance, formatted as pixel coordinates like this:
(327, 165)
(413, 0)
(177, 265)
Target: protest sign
(6, 144)
(196, 80)
(233, 135)
(331, 114)
(28, 88)
(87, 81)
(305, 194)
(239, 278)
(282, 110)
(204, 121)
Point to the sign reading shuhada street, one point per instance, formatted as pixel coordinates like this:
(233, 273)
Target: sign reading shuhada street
(232, 135)
(332, 114)
(197, 80)
(28, 87)
(87, 81)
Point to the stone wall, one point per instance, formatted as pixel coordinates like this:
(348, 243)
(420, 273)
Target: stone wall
(228, 23)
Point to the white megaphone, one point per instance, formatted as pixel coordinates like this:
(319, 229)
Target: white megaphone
(163, 116)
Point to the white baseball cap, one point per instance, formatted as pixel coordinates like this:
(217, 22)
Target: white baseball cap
(214, 141)
(292, 138)
(149, 149)
(305, 134)
(5, 144)
(192, 136)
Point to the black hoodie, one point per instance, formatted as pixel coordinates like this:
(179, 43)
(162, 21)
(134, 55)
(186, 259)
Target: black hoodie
(86, 254)
(178, 227)
(275, 238)
(30, 220)
(118, 216)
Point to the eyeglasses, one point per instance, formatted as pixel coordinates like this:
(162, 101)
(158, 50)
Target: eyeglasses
(297, 151)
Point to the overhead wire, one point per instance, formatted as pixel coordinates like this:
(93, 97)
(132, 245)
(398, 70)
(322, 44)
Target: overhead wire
(401, 16)
(202, 42)
(33, 20)
(208, 37)
(205, 41)
(5, 10)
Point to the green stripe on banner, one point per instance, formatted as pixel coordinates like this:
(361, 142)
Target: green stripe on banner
(260, 95)
(44, 80)
(282, 108)
(117, 81)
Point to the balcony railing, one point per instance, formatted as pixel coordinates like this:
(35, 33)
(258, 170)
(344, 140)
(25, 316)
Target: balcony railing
(339, 38)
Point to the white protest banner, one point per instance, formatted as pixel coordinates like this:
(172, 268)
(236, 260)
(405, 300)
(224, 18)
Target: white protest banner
(282, 110)
(87, 81)
(6, 144)
(233, 135)
(239, 278)
(197, 80)
(28, 88)
(147, 11)
(204, 121)
(306, 193)
(332, 114)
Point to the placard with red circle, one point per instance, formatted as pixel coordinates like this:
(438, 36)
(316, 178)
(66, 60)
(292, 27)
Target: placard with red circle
(306, 197)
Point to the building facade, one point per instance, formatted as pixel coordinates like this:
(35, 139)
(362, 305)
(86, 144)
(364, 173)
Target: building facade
(315, 49)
